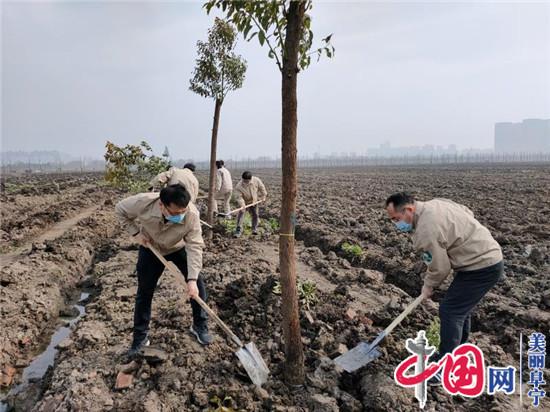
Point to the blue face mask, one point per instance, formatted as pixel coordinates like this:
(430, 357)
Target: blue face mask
(403, 226)
(176, 218)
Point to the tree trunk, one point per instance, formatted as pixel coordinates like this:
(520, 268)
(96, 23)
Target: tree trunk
(294, 365)
(212, 177)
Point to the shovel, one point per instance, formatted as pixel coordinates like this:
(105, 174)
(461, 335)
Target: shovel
(205, 224)
(248, 354)
(364, 352)
(239, 209)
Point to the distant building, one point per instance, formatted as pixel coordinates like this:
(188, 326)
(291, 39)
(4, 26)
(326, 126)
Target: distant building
(529, 136)
(386, 150)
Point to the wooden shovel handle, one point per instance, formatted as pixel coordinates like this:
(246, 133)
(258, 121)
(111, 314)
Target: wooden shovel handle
(244, 207)
(402, 316)
(206, 224)
(177, 273)
(220, 322)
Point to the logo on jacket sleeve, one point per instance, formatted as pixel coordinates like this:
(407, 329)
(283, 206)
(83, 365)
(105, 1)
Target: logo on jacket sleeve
(427, 258)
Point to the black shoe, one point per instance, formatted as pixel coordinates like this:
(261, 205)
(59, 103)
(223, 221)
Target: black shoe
(435, 380)
(254, 231)
(237, 233)
(201, 334)
(136, 348)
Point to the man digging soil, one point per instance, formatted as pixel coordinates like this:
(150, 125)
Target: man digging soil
(250, 189)
(171, 223)
(450, 239)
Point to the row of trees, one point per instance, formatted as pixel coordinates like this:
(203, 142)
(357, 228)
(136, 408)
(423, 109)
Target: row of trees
(284, 27)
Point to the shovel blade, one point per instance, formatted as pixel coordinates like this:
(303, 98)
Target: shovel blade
(357, 357)
(253, 363)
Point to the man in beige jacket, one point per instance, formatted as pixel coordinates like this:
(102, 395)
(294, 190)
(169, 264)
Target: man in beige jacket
(171, 223)
(185, 177)
(224, 187)
(450, 239)
(249, 190)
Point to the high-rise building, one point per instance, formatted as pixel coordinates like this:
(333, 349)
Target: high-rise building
(529, 136)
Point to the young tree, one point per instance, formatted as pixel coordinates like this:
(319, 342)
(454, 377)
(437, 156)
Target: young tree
(132, 167)
(218, 71)
(284, 26)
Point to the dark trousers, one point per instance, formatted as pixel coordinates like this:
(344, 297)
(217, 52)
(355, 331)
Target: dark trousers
(254, 212)
(149, 269)
(465, 292)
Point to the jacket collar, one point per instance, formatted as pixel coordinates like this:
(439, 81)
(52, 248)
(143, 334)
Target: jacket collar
(419, 209)
(155, 209)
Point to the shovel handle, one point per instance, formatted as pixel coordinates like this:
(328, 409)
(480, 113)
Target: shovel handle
(244, 207)
(403, 314)
(205, 224)
(171, 266)
(220, 322)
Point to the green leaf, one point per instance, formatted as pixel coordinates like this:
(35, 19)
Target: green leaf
(327, 39)
(307, 22)
(272, 22)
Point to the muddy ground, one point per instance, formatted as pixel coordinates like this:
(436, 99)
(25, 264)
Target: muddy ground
(48, 260)
(31, 203)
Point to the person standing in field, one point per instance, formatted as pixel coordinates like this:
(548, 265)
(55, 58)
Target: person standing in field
(250, 189)
(169, 222)
(185, 177)
(224, 187)
(450, 239)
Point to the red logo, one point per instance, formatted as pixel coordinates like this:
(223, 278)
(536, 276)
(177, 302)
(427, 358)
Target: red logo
(463, 371)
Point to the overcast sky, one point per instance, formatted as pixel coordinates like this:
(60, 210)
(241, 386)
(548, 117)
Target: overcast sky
(75, 74)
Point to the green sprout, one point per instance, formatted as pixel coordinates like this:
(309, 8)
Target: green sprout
(352, 251)
(432, 334)
(307, 292)
(230, 225)
(274, 224)
(222, 405)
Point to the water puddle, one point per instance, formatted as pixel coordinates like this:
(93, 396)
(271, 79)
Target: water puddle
(39, 366)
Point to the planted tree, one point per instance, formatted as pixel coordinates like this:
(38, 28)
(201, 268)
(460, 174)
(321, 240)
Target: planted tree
(285, 28)
(218, 71)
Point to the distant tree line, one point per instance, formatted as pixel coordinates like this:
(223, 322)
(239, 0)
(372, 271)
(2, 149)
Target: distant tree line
(304, 162)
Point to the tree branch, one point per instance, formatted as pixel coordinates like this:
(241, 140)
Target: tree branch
(279, 65)
(223, 73)
(280, 37)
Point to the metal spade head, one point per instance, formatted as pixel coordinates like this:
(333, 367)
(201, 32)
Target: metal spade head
(253, 363)
(357, 357)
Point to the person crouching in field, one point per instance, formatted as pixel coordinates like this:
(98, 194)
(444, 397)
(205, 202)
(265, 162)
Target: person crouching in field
(169, 222)
(450, 239)
(184, 177)
(250, 189)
